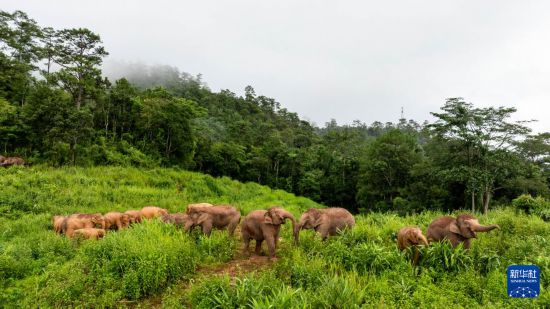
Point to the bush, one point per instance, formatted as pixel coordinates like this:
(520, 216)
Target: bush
(402, 206)
(250, 291)
(525, 203)
(441, 258)
(539, 205)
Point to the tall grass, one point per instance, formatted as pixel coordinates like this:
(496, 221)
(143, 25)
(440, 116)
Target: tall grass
(359, 268)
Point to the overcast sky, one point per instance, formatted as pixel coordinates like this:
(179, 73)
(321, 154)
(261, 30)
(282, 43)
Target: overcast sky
(345, 60)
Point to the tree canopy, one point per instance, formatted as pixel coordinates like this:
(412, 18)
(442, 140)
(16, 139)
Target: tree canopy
(57, 108)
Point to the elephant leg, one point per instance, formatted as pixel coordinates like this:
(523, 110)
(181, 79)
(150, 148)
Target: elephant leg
(246, 243)
(416, 256)
(324, 233)
(207, 228)
(232, 226)
(69, 232)
(258, 249)
(271, 243)
(466, 244)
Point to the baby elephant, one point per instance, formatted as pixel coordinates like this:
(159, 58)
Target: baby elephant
(411, 236)
(89, 233)
(176, 219)
(327, 221)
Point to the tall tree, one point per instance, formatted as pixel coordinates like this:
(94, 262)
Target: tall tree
(386, 169)
(165, 123)
(19, 51)
(481, 138)
(79, 53)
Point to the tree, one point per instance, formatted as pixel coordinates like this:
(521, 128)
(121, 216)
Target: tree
(165, 124)
(19, 51)
(536, 149)
(386, 169)
(8, 124)
(117, 111)
(79, 53)
(481, 138)
(19, 37)
(55, 128)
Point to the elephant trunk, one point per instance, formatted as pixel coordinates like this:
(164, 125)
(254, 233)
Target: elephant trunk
(423, 240)
(486, 228)
(295, 227)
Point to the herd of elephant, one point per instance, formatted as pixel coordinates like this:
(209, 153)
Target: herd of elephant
(10, 161)
(265, 224)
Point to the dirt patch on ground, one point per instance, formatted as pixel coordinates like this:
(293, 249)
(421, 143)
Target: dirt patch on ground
(238, 266)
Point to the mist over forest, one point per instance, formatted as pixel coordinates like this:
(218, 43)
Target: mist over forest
(145, 76)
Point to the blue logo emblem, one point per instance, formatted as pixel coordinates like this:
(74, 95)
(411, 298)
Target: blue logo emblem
(523, 281)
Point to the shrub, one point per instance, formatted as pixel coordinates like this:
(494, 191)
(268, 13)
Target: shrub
(441, 258)
(370, 257)
(340, 292)
(216, 248)
(307, 273)
(402, 206)
(219, 292)
(525, 203)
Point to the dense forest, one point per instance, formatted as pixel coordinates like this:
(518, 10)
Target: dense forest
(57, 108)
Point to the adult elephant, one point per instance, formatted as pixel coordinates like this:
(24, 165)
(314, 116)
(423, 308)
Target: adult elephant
(326, 221)
(80, 221)
(457, 230)
(9, 161)
(97, 218)
(135, 216)
(208, 217)
(149, 212)
(57, 222)
(265, 225)
(116, 220)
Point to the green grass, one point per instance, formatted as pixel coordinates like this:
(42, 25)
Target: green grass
(360, 268)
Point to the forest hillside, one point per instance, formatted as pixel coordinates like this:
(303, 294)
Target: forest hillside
(58, 108)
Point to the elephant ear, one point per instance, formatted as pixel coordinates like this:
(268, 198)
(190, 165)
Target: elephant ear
(453, 227)
(410, 236)
(318, 220)
(202, 217)
(267, 218)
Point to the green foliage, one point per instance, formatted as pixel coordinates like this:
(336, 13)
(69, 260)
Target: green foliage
(386, 169)
(442, 258)
(361, 267)
(524, 203)
(160, 116)
(538, 205)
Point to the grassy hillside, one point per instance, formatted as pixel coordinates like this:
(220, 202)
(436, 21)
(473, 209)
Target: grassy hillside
(153, 264)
